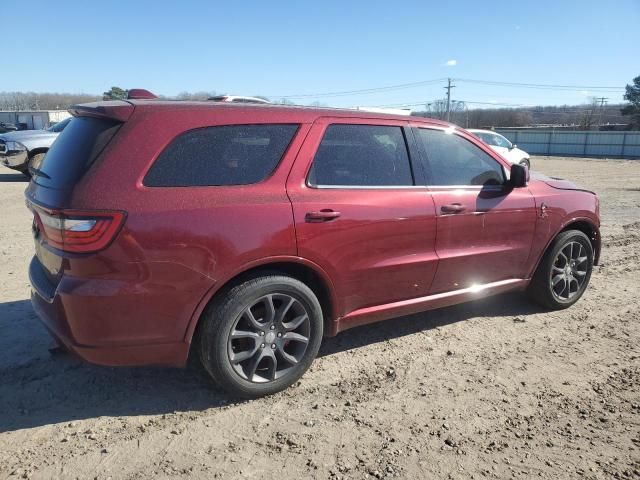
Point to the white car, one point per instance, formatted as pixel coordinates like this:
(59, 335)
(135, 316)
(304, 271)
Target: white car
(503, 146)
(237, 99)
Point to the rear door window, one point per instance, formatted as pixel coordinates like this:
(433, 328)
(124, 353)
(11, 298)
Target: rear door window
(361, 156)
(453, 160)
(223, 155)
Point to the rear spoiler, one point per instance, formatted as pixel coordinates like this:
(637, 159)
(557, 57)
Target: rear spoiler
(113, 109)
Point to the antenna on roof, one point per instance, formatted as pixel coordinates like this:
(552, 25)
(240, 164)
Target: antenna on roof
(140, 94)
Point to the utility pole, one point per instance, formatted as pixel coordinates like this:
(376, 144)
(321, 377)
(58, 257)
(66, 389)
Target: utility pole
(466, 109)
(448, 89)
(603, 101)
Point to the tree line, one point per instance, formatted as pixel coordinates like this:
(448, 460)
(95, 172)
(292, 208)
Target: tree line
(582, 117)
(586, 117)
(43, 101)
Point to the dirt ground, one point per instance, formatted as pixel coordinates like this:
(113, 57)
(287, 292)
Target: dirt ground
(496, 389)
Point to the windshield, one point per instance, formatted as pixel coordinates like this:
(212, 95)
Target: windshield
(58, 127)
(493, 139)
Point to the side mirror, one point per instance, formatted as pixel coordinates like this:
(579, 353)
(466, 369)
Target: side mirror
(513, 146)
(519, 176)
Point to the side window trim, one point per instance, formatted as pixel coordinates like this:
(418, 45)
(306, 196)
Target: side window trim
(408, 139)
(427, 170)
(415, 157)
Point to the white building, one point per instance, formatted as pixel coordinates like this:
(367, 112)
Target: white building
(33, 119)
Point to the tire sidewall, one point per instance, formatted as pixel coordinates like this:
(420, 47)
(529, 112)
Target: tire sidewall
(223, 317)
(34, 157)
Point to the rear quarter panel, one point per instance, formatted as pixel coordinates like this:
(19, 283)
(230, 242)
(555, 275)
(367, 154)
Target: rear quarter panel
(178, 243)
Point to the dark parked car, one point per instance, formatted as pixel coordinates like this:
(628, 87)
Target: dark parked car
(244, 233)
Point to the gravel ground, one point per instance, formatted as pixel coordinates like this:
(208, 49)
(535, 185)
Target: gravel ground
(496, 389)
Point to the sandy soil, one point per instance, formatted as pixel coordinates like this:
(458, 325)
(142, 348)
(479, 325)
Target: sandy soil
(495, 389)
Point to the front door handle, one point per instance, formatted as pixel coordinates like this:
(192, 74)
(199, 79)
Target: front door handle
(324, 215)
(453, 208)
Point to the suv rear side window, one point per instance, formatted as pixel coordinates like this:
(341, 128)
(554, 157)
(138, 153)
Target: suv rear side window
(224, 155)
(361, 156)
(453, 160)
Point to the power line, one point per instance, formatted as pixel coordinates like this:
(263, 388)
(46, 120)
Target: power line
(540, 109)
(424, 102)
(363, 91)
(539, 85)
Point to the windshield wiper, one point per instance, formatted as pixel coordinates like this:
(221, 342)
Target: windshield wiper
(38, 173)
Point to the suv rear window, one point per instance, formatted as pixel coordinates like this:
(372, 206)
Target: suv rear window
(224, 155)
(74, 151)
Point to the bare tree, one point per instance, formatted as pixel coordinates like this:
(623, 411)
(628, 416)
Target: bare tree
(195, 95)
(589, 117)
(437, 109)
(42, 101)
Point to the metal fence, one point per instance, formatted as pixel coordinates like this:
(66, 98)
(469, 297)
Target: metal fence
(574, 143)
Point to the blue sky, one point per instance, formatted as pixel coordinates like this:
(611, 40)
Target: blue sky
(289, 48)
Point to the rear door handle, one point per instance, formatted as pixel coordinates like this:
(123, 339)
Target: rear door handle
(324, 215)
(452, 208)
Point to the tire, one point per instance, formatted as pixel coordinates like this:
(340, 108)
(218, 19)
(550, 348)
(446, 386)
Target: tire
(563, 275)
(35, 158)
(525, 162)
(266, 354)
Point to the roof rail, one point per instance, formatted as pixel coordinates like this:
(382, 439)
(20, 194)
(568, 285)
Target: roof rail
(140, 94)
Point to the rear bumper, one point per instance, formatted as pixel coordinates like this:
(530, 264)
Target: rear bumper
(85, 325)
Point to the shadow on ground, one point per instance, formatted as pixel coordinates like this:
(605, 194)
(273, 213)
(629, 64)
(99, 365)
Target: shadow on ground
(40, 388)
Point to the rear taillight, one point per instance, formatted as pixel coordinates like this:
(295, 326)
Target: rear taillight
(77, 231)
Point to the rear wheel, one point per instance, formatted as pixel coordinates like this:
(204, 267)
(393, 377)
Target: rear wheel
(261, 336)
(564, 272)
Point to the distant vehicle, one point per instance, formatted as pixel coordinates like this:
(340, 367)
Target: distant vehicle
(7, 127)
(237, 99)
(21, 149)
(243, 235)
(503, 146)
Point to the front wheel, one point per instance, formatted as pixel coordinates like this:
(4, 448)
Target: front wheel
(525, 163)
(564, 272)
(261, 336)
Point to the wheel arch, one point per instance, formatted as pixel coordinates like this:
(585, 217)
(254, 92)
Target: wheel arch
(590, 229)
(38, 150)
(583, 224)
(296, 267)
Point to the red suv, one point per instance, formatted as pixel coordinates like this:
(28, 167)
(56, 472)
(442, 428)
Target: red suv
(245, 233)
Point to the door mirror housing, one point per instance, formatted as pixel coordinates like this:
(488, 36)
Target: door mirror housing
(519, 176)
(513, 146)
